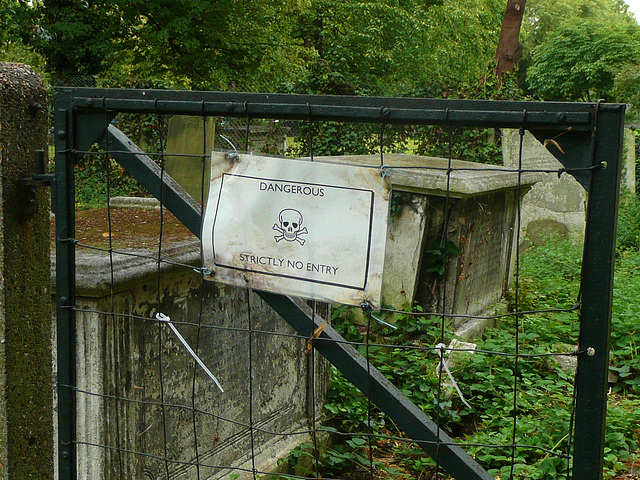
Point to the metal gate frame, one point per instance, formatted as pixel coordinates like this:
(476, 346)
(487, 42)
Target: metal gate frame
(591, 137)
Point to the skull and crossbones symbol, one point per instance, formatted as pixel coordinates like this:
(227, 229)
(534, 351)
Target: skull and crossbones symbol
(290, 227)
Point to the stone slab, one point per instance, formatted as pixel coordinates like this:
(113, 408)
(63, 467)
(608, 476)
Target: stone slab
(144, 203)
(428, 175)
(556, 198)
(403, 254)
(187, 155)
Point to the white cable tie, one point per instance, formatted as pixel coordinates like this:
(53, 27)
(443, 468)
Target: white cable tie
(379, 320)
(164, 318)
(232, 146)
(440, 349)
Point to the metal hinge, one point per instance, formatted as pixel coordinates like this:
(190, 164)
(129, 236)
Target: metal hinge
(27, 187)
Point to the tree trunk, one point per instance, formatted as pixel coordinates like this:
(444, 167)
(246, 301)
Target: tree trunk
(509, 46)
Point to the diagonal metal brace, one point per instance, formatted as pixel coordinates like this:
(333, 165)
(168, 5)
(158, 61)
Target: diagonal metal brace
(386, 396)
(409, 417)
(153, 178)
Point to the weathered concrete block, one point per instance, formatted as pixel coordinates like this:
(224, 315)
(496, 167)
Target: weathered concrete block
(629, 159)
(483, 229)
(561, 199)
(185, 149)
(127, 355)
(144, 203)
(478, 204)
(26, 393)
(403, 253)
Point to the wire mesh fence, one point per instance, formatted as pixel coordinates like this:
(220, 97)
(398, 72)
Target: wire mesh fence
(179, 377)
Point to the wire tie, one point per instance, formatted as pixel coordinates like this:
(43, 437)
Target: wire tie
(386, 171)
(561, 171)
(165, 318)
(524, 117)
(204, 270)
(366, 307)
(440, 349)
(73, 241)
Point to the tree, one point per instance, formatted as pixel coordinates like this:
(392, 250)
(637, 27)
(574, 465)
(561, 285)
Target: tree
(543, 17)
(394, 46)
(74, 36)
(580, 60)
(191, 42)
(509, 46)
(324, 46)
(551, 28)
(198, 42)
(626, 88)
(12, 49)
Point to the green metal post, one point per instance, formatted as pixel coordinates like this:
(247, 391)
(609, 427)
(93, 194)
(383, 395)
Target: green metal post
(597, 285)
(65, 292)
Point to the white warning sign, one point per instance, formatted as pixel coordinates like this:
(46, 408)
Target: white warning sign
(310, 229)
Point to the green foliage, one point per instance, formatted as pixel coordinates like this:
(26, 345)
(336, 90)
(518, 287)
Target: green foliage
(438, 254)
(626, 89)
(549, 278)
(12, 48)
(636, 133)
(628, 235)
(91, 182)
(579, 50)
(544, 400)
(91, 171)
(543, 17)
(378, 45)
(74, 36)
(479, 145)
(337, 138)
(626, 323)
(580, 60)
(198, 43)
(413, 369)
(320, 46)
(469, 144)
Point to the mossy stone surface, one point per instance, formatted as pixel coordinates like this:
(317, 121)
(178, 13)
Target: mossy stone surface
(26, 396)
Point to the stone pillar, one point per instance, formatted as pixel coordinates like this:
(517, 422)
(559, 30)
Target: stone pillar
(186, 137)
(554, 205)
(26, 393)
(629, 161)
